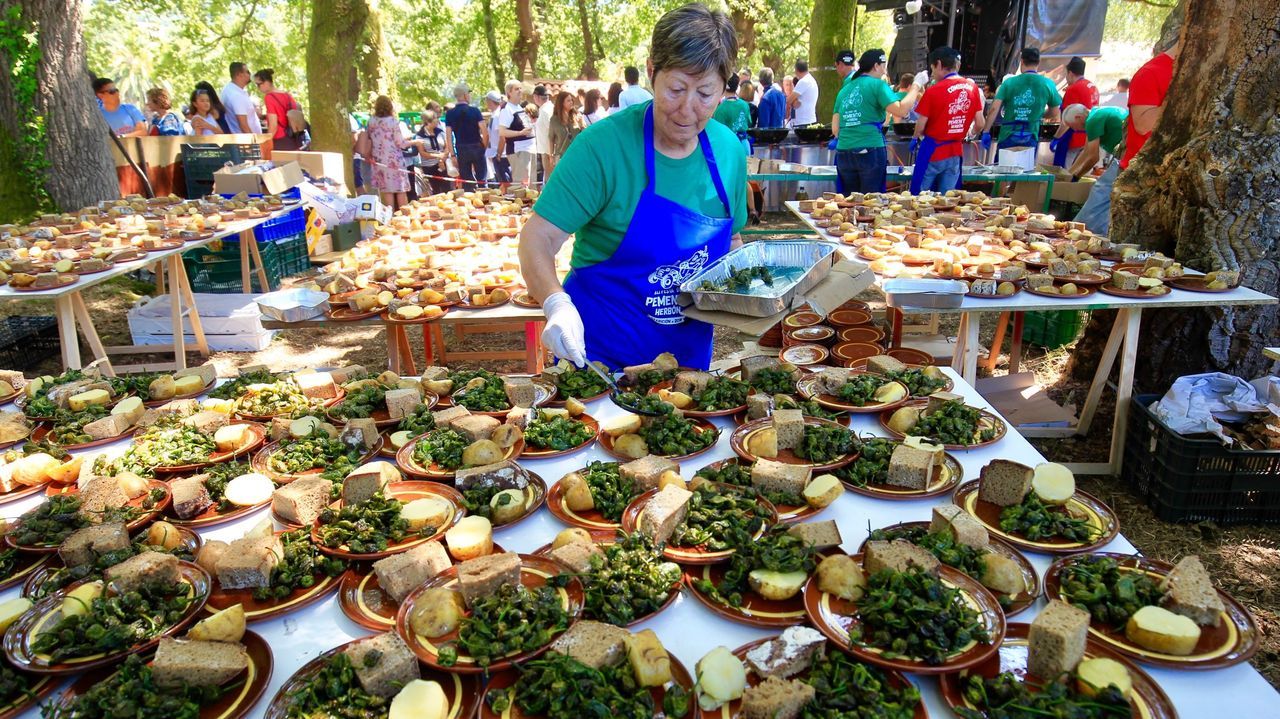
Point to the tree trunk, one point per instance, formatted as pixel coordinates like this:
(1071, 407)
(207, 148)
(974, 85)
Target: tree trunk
(744, 22)
(525, 52)
(588, 45)
(830, 31)
(1203, 191)
(337, 28)
(375, 66)
(76, 165)
(491, 39)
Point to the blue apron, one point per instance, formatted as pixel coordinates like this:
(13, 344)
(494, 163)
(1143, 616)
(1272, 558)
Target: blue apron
(1022, 136)
(628, 302)
(1064, 146)
(924, 155)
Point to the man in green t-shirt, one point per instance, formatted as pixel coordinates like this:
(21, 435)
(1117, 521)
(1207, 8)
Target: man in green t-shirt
(1104, 130)
(734, 113)
(1022, 102)
(858, 124)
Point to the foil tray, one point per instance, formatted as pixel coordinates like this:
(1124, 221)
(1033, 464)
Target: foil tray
(927, 294)
(817, 259)
(293, 305)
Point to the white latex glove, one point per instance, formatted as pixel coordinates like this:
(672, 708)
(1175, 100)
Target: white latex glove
(922, 79)
(563, 333)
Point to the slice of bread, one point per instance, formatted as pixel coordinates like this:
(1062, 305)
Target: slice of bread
(180, 662)
(770, 476)
(950, 519)
(483, 576)
(595, 644)
(789, 425)
(1190, 592)
(383, 664)
(776, 698)
(898, 556)
(664, 513)
(821, 535)
(1004, 482)
(790, 653)
(1056, 640)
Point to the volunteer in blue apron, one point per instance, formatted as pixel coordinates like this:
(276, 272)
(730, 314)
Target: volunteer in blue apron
(652, 195)
(1022, 102)
(949, 111)
(858, 124)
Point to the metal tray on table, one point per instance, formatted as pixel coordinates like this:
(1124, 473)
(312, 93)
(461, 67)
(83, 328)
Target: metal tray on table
(929, 294)
(293, 305)
(815, 258)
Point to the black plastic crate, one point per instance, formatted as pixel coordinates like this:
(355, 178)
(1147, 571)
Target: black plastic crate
(27, 341)
(217, 270)
(199, 162)
(1188, 479)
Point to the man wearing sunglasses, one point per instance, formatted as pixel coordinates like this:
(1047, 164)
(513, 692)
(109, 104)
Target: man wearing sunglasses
(242, 115)
(125, 119)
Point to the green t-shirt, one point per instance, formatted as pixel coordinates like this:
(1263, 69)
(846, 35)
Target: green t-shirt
(1106, 124)
(1024, 98)
(594, 190)
(862, 101)
(733, 114)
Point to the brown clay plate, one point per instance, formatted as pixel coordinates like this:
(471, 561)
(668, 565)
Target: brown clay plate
(211, 516)
(46, 613)
(534, 573)
(257, 435)
(808, 387)
(410, 466)
(268, 417)
(590, 519)
(1236, 638)
(950, 383)
(733, 710)
(393, 320)
(39, 686)
(53, 490)
(1084, 291)
(531, 452)
(755, 610)
(346, 314)
(243, 693)
(690, 555)
(256, 610)
(380, 416)
(524, 299)
(64, 280)
(988, 420)
(701, 425)
(543, 391)
(1085, 505)
(363, 600)
(1086, 279)
(1195, 283)
(1147, 699)
(42, 430)
(405, 492)
(1131, 294)
(697, 412)
(1032, 259)
(261, 462)
(786, 512)
(973, 274)
(189, 539)
(679, 677)
(835, 617)
(1019, 602)
(187, 395)
(604, 538)
(1016, 289)
(466, 304)
(742, 436)
(25, 564)
(945, 478)
(20, 493)
(462, 692)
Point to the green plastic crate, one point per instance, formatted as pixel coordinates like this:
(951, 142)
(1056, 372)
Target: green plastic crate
(1052, 329)
(218, 270)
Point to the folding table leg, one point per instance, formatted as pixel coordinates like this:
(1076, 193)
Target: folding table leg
(428, 355)
(1100, 376)
(246, 282)
(67, 336)
(957, 355)
(1132, 319)
(90, 332)
(406, 351)
(1015, 345)
(393, 349)
(182, 284)
(993, 356)
(175, 314)
(973, 322)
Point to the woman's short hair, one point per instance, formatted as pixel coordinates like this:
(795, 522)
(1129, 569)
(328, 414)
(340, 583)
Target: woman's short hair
(382, 107)
(158, 97)
(694, 39)
(429, 116)
(747, 91)
(265, 75)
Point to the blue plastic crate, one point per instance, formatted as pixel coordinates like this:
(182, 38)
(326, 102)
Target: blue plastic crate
(286, 226)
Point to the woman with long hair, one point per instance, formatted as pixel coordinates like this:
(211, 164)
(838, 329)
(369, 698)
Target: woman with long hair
(215, 102)
(593, 110)
(566, 123)
(615, 92)
(204, 117)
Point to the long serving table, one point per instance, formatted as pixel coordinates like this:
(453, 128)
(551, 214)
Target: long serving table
(968, 175)
(72, 312)
(690, 630)
(1124, 336)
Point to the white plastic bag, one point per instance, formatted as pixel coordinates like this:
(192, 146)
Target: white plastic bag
(1195, 403)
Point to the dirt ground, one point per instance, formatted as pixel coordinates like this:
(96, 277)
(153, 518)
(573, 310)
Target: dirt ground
(1244, 560)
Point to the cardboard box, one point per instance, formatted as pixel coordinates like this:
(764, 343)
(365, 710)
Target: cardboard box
(753, 165)
(322, 245)
(345, 236)
(369, 207)
(315, 164)
(1030, 194)
(1073, 192)
(257, 178)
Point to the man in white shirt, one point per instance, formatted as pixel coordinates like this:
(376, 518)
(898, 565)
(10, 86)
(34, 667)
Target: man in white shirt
(807, 96)
(242, 116)
(515, 129)
(1119, 98)
(542, 128)
(501, 170)
(633, 94)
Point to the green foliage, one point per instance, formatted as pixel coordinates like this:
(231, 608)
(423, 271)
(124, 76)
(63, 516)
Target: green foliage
(22, 153)
(1135, 22)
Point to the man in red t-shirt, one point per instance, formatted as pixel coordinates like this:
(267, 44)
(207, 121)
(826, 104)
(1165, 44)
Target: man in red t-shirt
(1079, 91)
(1147, 91)
(946, 112)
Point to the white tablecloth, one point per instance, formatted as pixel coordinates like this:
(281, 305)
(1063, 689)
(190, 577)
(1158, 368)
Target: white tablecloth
(689, 630)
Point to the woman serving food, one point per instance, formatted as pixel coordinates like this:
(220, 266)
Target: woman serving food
(653, 194)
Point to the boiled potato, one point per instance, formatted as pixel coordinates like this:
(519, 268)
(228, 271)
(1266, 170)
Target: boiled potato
(573, 535)
(471, 537)
(1160, 630)
(679, 400)
(420, 699)
(903, 419)
(163, 534)
(721, 678)
(933, 372)
(577, 493)
(249, 489)
(891, 392)
(764, 443)
(226, 625)
(132, 485)
(35, 469)
(626, 424)
(840, 575)
(822, 491)
(1095, 674)
(67, 471)
(163, 387)
(190, 384)
(131, 407)
(400, 439)
(11, 610)
(1053, 483)
(671, 477)
(33, 387)
(481, 452)
(1069, 288)
(666, 362)
(507, 505)
(210, 553)
(439, 386)
(303, 426)
(777, 586)
(649, 659)
(231, 437)
(575, 407)
(262, 530)
(631, 445)
(79, 600)
(1001, 574)
(1005, 289)
(426, 512)
(436, 612)
(506, 436)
